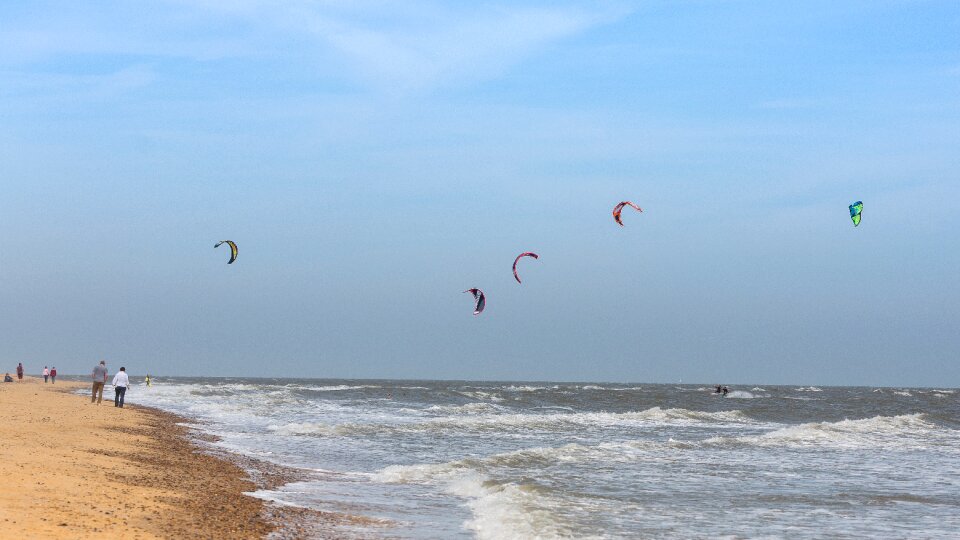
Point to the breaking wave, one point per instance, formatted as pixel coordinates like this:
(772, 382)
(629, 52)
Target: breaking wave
(481, 395)
(483, 422)
(741, 394)
(879, 431)
(338, 388)
(469, 408)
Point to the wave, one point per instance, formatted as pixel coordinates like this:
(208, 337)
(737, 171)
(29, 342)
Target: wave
(508, 509)
(740, 394)
(339, 387)
(758, 389)
(903, 393)
(498, 509)
(809, 389)
(469, 408)
(879, 431)
(480, 395)
(525, 388)
(481, 423)
(526, 459)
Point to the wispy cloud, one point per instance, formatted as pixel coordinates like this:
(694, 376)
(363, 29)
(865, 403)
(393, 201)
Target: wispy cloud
(453, 48)
(404, 47)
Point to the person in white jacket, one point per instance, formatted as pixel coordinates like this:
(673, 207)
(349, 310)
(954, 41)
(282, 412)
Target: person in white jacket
(120, 384)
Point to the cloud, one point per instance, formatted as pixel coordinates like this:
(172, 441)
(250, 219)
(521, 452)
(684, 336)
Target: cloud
(454, 48)
(414, 46)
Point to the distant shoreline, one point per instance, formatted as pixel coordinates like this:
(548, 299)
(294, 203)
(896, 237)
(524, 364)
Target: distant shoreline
(334, 380)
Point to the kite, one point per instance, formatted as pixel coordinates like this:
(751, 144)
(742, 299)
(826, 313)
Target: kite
(619, 208)
(233, 249)
(480, 298)
(855, 210)
(515, 261)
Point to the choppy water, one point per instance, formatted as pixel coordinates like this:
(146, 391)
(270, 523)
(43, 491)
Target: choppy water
(524, 460)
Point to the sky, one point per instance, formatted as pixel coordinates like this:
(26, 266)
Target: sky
(374, 159)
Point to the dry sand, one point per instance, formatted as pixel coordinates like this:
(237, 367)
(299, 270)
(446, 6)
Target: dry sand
(71, 469)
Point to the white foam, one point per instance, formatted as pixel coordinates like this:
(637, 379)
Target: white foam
(512, 388)
(520, 422)
(903, 393)
(740, 394)
(758, 389)
(469, 408)
(809, 389)
(651, 415)
(879, 431)
(478, 394)
(499, 510)
(339, 388)
(510, 511)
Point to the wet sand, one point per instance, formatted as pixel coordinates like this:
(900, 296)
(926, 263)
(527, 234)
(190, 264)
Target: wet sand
(72, 469)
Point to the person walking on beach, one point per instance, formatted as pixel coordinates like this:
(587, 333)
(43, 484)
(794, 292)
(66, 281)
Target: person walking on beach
(99, 379)
(53, 375)
(120, 383)
(46, 374)
(20, 372)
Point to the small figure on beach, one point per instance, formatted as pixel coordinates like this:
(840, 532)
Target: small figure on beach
(120, 383)
(20, 372)
(725, 391)
(7, 377)
(718, 390)
(99, 376)
(46, 374)
(147, 380)
(53, 375)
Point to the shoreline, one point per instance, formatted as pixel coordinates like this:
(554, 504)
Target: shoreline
(72, 469)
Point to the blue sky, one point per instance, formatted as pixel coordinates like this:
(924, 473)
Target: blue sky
(373, 159)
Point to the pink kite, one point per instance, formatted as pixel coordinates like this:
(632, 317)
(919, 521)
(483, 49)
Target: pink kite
(515, 261)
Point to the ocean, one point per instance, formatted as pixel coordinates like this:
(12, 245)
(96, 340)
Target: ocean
(442, 459)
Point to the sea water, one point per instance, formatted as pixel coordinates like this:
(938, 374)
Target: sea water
(432, 459)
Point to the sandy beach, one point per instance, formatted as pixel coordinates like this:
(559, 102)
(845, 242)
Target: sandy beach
(72, 469)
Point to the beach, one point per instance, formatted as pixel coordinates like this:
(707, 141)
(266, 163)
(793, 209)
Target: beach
(72, 469)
